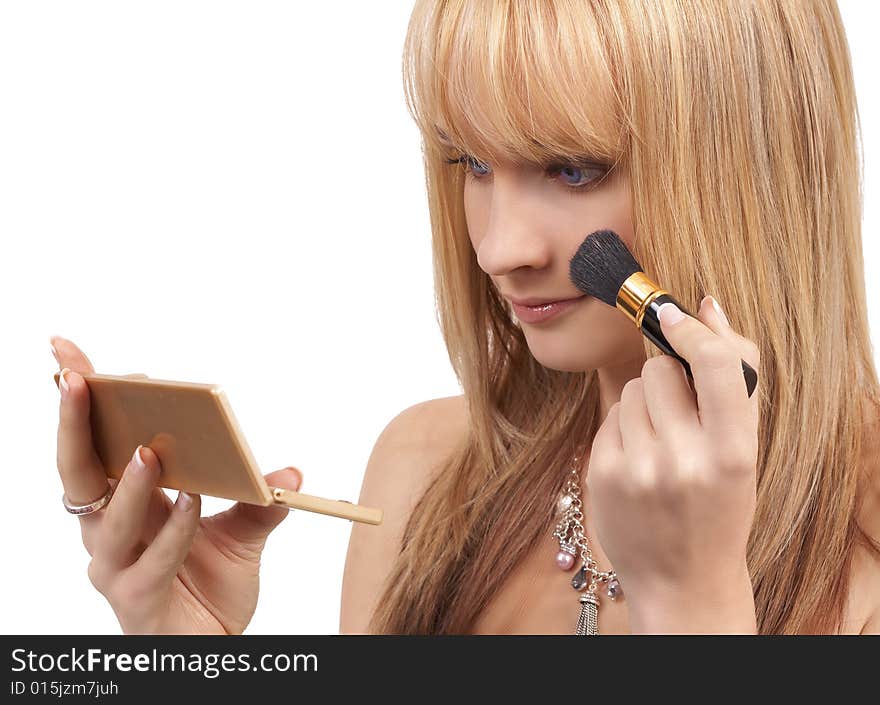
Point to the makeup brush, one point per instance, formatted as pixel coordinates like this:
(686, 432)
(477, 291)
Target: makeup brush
(604, 267)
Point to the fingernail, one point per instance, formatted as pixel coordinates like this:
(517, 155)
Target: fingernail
(719, 311)
(139, 463)
(184, 501)
(670, 314)
(63, 386)
(54, 351)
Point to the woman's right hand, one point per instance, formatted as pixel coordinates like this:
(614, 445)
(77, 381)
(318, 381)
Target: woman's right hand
(162, 567)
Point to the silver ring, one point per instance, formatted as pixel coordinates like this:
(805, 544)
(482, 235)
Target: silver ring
(87, 508)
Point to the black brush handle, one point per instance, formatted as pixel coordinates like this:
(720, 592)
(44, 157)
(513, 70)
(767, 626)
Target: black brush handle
(651, 329)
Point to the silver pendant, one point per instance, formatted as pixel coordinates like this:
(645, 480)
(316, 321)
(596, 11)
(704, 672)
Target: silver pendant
(588, 620)
(579, 581)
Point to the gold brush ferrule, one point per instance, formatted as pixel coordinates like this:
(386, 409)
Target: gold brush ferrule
(636, 294)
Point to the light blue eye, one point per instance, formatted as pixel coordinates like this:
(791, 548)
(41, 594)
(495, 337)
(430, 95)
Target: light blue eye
(584, 175)
(471, 161)
(578, 173)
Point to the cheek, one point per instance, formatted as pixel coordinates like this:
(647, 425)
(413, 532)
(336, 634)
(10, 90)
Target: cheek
(609, 207)
(595, 336)
(476, 213)
(604, 335)
(609, 332)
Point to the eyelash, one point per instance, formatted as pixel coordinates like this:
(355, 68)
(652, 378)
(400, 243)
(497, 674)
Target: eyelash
(553, 172)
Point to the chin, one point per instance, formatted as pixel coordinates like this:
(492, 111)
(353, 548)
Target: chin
(568, 350)
(570, 357)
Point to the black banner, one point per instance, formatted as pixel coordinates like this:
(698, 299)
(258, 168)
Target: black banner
(134, 668)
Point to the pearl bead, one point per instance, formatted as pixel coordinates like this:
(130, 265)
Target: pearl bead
(564, 560)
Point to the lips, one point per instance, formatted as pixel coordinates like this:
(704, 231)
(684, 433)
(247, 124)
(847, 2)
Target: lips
(542, 310)
(539, 302)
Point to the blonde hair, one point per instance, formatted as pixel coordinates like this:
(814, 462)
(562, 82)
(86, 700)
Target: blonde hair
(737, 124)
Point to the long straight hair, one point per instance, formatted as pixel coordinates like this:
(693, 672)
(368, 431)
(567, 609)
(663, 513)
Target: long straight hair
(737, 124)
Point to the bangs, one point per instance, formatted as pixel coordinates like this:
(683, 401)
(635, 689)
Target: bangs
(526, 81)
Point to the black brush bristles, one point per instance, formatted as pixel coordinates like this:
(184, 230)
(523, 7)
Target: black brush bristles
(601, 265)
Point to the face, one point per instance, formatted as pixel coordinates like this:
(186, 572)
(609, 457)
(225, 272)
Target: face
(525, 224)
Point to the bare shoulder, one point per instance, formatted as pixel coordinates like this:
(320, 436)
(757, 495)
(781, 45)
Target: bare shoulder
(865, 589)
(410, 450)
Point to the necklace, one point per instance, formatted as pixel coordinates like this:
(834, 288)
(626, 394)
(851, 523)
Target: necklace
(572, 539)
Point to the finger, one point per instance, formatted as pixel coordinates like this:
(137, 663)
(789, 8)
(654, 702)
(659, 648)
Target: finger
(163, 557)
(713, 316)
(716, 367)
(90, 524)
(126, 514)
(82, 473)
(250, 524)
(606, 449)
(672, 404)
(636, 429)
(608, 435)
(69, 355)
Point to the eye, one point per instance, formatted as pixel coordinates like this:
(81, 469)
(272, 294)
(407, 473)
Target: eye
(469, 162)
(576, 177)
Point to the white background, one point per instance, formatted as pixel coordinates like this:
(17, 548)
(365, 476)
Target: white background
(229, 192)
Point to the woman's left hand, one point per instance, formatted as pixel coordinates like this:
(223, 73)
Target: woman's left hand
(672, 479)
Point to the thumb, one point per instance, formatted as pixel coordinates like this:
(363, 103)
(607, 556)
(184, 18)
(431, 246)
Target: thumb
(163, 557)
(251, 524)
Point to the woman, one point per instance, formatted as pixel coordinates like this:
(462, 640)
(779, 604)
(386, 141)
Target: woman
(719, 141)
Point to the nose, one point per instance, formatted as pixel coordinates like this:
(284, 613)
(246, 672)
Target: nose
(515, 235)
